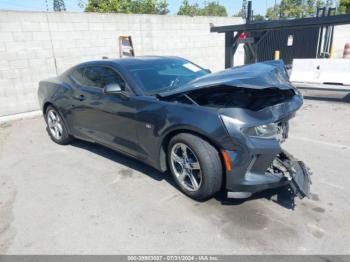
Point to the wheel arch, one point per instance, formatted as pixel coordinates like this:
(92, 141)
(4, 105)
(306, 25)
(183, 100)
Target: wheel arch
(46, 105)
(171, 134)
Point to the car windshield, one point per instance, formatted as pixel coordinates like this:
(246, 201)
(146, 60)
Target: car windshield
(163, 75)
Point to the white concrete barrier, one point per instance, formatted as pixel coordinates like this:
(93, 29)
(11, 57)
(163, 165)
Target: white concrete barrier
(321, 71)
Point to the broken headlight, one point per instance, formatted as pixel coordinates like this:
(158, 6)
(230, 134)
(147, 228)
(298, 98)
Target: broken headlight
(263, 131)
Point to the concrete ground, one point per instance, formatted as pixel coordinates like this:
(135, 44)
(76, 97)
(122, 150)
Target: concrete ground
(86, 199)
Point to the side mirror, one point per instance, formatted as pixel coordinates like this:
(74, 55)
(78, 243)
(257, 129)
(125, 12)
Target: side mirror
(112, 88)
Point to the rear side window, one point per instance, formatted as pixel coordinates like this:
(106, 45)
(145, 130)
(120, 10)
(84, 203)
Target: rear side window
(78, 76)
(97, 76)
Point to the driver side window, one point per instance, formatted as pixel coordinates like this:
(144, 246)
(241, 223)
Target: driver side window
(99, 76)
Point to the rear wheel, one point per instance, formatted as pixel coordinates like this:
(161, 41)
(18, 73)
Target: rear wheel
(56, 127)
(195, 165)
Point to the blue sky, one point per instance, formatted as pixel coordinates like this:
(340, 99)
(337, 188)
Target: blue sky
(232, 6)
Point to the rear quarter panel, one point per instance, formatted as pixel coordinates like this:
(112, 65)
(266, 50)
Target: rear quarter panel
(56, 92)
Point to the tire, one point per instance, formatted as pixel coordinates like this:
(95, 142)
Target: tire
(56, 127)
(202, 163)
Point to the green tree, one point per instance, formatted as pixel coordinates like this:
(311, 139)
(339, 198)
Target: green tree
(149, 7)
(128, 6)
(187, 9)
(310, 7)
(344, 7)
(319, 3)
(272, 13)
(292, 8)
(103, 6)
(163, 7)
(213, 9)
(297, 8)
(258, 18)
(209, 9)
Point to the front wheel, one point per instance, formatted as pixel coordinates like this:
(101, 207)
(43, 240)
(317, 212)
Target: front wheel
(195, 165)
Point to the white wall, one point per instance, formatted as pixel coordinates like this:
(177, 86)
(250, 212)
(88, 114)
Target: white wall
(32, 42)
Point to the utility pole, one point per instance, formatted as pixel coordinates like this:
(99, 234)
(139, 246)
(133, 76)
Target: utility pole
(244, 9)
(47, 6)
(58, 5)
(249, 12)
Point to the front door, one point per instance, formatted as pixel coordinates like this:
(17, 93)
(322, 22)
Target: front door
(105, 118)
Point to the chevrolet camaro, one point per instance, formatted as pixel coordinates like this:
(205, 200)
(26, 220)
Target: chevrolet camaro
(212, 131)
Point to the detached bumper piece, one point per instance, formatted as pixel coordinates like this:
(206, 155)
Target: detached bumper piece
(296, 172)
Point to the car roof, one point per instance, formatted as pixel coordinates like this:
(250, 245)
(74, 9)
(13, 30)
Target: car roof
(133, 60)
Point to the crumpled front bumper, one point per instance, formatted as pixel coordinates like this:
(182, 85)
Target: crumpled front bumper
(283, 170)
(261, 163)
(298, 174)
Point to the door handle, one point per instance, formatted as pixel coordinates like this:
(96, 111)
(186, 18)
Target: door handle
(81, 97)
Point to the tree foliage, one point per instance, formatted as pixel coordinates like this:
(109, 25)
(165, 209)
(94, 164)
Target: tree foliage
(344, 7)
(292, 8)
(128, 6)
(297, 8)
(272, 13)
(187, 9)
(209, 9)
(258, 18)
(213, 9)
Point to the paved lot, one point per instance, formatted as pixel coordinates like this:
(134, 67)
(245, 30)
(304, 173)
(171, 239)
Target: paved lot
(86, 199)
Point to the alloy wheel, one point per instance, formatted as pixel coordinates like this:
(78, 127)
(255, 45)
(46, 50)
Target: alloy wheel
(186, 167)
(55, 124)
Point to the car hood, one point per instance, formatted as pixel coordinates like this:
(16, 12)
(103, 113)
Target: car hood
(269, 74)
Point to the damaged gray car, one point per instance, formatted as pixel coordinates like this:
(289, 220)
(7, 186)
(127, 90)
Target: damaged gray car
(212, 131)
